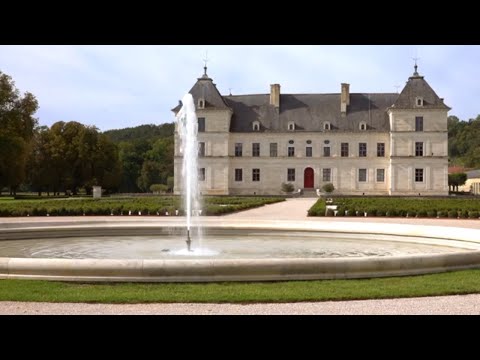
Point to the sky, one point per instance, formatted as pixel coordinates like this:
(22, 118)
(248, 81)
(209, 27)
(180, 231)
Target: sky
(113, 87)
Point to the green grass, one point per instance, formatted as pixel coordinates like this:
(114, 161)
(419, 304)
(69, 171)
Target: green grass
(459, 282)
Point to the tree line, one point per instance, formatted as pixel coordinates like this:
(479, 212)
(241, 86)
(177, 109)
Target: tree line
(69, 156)
(464, 142)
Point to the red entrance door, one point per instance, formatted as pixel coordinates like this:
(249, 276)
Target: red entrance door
(308, 178)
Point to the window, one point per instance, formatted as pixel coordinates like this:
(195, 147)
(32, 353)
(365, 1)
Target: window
(419, 149)
(362, 175)
(201, 149)
(256, 149)
(238, 149)
(327, 174)
(363, 126)
(291, 151)
(326, 151)
(418, 175)
(419, 101)
(362, 149)
(201, 124)
(291, 126)
(419, 123)
(380, 175)
(344, 149)
(291, 141)
(309, 142)
(290, 174)
(256, 126)
(326, 126)
(273, 149)
(238, 174)
(380, 149)
(201, 174)
(255, 174)
(308, 151)
(201, 103)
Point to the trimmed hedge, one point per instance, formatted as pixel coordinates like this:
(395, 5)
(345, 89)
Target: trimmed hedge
(153, 206)
(401, 207)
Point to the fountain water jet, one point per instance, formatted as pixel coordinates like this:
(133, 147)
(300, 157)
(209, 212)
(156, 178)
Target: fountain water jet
(187, 127)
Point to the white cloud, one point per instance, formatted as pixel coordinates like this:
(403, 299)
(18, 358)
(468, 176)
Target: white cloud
(116, 86)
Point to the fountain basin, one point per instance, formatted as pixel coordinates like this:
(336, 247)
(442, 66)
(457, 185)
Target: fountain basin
(410, 249)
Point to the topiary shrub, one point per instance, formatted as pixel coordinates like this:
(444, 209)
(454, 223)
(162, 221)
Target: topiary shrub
(473, 214)
(422, 213)
(328, 188)
(453, 214)
(287, 187)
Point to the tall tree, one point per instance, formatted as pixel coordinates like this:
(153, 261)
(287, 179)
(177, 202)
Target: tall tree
(17, 126)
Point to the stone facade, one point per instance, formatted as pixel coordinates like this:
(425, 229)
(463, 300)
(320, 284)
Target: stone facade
(397, 143)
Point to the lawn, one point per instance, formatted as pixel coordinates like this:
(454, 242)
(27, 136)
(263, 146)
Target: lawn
(459, 282)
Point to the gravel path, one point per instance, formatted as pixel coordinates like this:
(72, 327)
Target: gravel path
(445, 305)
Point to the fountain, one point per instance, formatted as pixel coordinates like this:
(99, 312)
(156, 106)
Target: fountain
(187, 130)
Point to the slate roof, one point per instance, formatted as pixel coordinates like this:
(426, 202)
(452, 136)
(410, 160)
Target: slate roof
(206, 89)
(417, 87)
(310, 111)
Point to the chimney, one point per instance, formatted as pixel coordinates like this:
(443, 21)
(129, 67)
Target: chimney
(344, 98)
(275, 95)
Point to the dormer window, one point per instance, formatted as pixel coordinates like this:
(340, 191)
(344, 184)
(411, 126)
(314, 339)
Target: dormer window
(363, 126)
(201, 103)
(327, 126)
(256, 126)
(291, 126)
(419, 101)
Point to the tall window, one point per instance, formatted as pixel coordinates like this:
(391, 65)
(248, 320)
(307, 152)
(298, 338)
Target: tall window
(255, 174)
(362, 149)
(418, 175)
(256, 149)
(327, 175)
(362, 175)
(201, 174)
(201, 149)
(238, 174)
(238, 149)
(419, 149)
(380, 149)
(419, 123)
(256, 126)
(344, 149)
(201, 124)
(308, 151)
(326, 151)
(380, 175)
(290, 174)
(273, 149)
(291, 151)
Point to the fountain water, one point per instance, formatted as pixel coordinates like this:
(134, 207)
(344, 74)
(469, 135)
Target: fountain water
(187, 127)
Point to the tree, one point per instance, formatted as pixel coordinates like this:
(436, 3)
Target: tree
(456, 180)
(149, 175)
(17, 126)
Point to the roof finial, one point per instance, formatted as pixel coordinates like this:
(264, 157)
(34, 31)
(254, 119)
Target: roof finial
(397, 87)
(230, 91)
(416, 66)
(205, 66)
